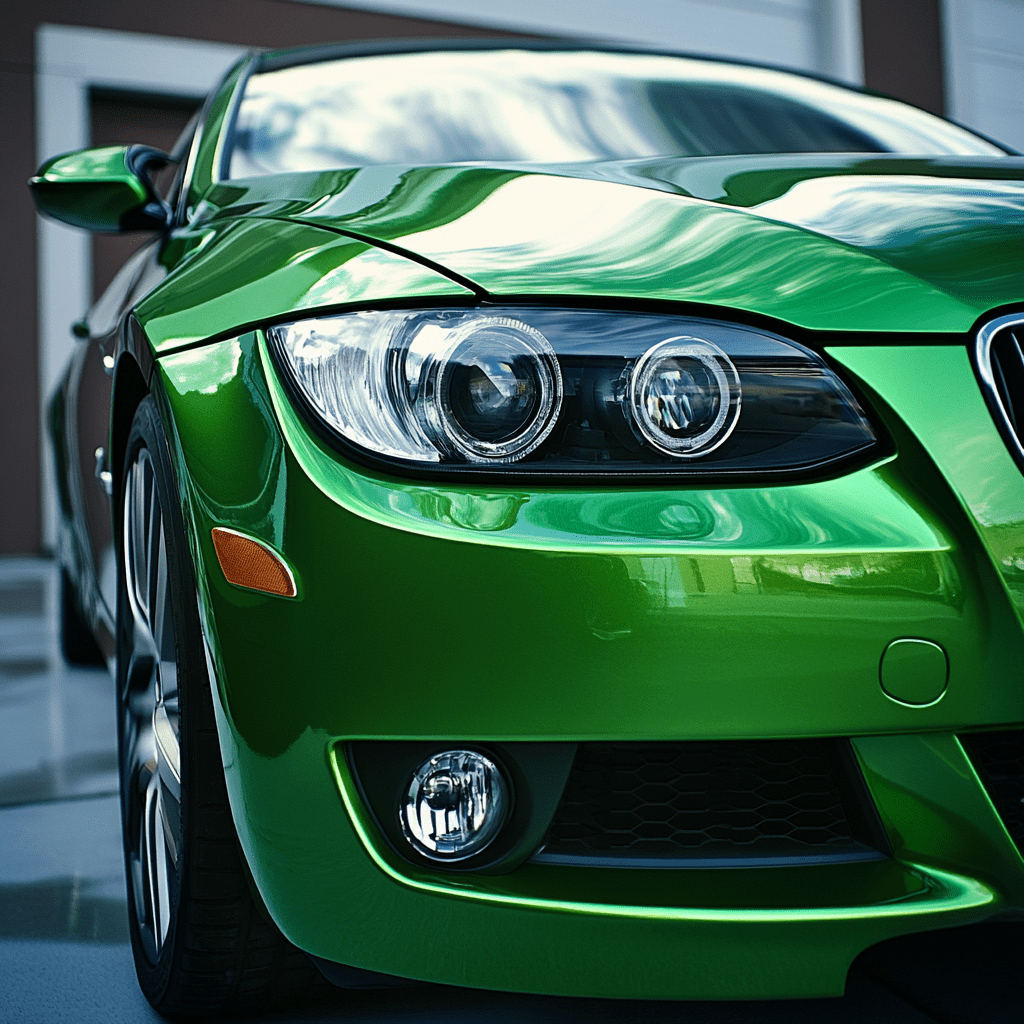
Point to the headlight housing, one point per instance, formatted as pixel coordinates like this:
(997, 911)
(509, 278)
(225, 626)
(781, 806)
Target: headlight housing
(517, 390)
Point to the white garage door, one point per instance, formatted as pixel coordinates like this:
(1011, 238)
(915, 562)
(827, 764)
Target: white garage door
(822, 36)
(985, 66)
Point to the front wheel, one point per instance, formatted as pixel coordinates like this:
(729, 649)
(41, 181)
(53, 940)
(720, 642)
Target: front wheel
(199, 943)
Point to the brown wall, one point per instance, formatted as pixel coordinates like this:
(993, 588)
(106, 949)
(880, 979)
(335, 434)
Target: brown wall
(903, 50)
(260, 23)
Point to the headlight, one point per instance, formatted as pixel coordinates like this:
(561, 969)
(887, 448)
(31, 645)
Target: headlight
(560, 391)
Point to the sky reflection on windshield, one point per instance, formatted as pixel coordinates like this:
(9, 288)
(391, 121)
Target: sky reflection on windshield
(513, 105)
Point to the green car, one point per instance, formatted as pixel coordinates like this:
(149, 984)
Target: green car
(555, 515)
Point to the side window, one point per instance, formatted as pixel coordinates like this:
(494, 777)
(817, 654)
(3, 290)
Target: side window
(166, 181)
(170, 180)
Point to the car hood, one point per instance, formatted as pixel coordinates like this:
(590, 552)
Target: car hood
(838, 243)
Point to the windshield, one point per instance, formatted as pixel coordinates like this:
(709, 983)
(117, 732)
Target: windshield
(445, 107)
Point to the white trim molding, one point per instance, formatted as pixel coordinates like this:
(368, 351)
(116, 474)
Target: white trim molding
(983, 43)
(70, 62)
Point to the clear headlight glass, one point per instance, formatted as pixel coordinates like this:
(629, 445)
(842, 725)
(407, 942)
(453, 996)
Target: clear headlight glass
(516, 390)
(685, 396)
(491, 393)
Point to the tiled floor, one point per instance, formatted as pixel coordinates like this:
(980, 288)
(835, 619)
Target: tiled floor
(64, 953)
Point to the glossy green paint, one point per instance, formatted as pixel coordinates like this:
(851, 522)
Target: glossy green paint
(248, 271)
(602, 613)
(868, 245)
(935, 811)
(939, 401)
(845, 892)
(662, 936)
(93, 189)
(691, 621)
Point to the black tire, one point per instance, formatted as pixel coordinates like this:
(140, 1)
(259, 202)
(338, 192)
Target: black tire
(77, 643)
(200, 945)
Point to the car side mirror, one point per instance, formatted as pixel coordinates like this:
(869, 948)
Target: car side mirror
(106, 189)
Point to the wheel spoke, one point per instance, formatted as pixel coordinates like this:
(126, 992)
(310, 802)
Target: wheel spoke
(138, 887)
(138, 671)
(153, 537)
(146, 835)
(128, 537)
(138, 551)
(168, 751)
(163, 634)
(154, 862)
(169, 825)
(168, 673)
(139, 746)
(132, 554)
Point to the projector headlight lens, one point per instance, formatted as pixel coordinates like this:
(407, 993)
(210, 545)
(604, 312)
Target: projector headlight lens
(686, 396)
(493, 393)
(455, 805)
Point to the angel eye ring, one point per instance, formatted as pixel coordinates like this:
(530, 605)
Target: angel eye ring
(685, 396)
(494, 394)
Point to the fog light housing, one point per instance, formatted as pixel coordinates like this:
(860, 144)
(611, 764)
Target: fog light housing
(456, 804)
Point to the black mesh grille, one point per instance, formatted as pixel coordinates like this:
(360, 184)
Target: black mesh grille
(713, 803)
(999, 760)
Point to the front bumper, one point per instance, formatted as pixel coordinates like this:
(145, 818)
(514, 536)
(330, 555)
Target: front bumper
(433, 612)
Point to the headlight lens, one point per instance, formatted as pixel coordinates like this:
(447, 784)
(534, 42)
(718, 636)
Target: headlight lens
(686, 396)
(491, 394)
(562, 391)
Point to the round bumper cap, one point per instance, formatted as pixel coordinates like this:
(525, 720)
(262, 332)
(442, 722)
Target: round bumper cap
(914, 672)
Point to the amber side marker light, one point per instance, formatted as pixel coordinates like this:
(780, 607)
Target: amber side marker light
(250, 563)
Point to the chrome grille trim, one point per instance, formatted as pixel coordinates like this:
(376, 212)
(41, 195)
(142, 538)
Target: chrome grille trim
(1003, 385)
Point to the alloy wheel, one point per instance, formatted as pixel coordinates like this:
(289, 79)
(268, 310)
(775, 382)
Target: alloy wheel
(150, 713)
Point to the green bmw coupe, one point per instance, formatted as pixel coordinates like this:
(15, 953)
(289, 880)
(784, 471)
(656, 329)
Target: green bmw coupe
(555, 517)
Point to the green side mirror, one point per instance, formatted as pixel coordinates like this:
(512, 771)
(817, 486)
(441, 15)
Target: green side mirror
(105, 189)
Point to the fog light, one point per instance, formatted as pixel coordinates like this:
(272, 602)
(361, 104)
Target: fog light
(455, 805)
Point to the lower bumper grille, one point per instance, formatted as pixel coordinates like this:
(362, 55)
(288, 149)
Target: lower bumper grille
(998, 758)
(714, 804)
